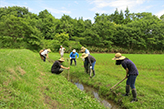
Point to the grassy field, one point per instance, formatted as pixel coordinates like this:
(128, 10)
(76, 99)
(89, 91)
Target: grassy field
(26, 82)
(149, 83)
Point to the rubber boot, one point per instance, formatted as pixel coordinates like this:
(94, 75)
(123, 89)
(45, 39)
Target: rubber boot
(93, 73)
(134, 93)
(127, 91)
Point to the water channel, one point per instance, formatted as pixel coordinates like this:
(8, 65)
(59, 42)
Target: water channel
(107, 103)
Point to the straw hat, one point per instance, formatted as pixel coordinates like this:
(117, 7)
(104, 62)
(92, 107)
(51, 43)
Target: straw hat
(48, 50)
(118, 56)
(84, 55)
(61, 59)
(74, 50)
(83, 49)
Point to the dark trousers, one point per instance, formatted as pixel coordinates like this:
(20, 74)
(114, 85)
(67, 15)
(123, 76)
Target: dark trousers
(87, 66)
(74, 61)
(56, 71)
(44, 58)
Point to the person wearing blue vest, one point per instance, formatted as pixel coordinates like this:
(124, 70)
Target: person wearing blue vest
(73, 56)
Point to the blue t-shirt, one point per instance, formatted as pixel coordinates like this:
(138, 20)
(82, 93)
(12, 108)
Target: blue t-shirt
(131, 67)
(74, 55)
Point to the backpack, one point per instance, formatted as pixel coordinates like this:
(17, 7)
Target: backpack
(41, 51)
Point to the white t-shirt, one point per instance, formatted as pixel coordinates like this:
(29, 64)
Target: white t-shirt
(44, 52)
(61, 51)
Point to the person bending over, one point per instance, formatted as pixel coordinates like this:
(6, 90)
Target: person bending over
(90, 60)
(44, 54)
(131, 74)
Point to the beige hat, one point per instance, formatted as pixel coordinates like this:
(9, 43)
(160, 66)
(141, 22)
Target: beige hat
(83, 49)
(48, 50)
(61, 59)
(84, 55)
(118, 56)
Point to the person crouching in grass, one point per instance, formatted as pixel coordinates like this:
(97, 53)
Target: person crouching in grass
(90, 60)
(131, 74)
(57, 68)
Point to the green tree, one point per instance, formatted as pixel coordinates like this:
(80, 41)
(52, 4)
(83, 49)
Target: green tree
(62, 37)
(127, 16)
(162, 17)
(19, 28)
(47, 25)
(65, 25)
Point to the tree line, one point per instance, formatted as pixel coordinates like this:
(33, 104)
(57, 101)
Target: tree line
(119, 31)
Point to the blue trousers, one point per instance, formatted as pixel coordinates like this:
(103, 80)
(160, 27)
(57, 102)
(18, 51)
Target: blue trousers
(131, 81)
(93, 65)
(74, 61)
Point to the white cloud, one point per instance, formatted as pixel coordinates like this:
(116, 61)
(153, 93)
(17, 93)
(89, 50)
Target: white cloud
(160, 13)
(3, 4)
(119, 4)
(56, 11)
(76, 2)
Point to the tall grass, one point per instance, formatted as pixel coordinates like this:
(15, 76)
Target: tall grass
(26, 82)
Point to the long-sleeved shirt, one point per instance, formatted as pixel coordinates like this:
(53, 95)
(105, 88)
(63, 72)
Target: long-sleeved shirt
(73, 55)
(90, 59)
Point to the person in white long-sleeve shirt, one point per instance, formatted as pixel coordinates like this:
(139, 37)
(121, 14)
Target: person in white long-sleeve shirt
(61, 50)
(44, 54)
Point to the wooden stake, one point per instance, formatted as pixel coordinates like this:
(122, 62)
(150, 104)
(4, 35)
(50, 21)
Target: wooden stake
(68, 69)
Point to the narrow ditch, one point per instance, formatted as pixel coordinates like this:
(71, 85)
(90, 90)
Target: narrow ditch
(107, 103)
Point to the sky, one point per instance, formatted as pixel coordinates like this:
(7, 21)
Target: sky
(86, 9)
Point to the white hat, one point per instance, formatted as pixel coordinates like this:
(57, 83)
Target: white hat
(74, 50)
(61, 46)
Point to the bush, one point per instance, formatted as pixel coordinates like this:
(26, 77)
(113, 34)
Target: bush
(70, 45)
(54, 45)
